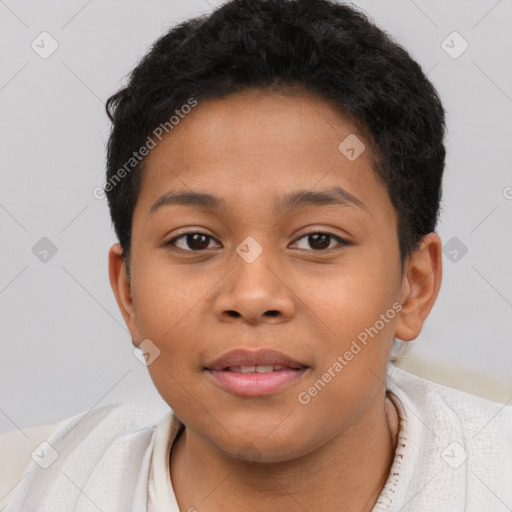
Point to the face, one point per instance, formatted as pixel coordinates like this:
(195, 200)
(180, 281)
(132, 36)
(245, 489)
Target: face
(306, 278)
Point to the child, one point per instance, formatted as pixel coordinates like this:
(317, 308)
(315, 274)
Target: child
(274, 178)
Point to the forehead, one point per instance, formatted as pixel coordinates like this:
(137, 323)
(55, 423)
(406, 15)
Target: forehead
(261, 145)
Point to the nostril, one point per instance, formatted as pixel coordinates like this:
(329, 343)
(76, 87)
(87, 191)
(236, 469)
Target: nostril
(272, 312)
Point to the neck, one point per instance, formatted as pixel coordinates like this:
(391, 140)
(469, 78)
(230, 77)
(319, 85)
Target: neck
(351, 468)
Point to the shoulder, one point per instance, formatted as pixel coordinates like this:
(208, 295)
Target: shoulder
(470, 410)
(16, 450)
(477, 383)
(33, 447)
(463, 441)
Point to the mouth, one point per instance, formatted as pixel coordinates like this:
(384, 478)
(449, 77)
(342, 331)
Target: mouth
(246, 373)
(259, 368)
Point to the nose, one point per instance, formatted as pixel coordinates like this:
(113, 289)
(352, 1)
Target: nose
(255, 292)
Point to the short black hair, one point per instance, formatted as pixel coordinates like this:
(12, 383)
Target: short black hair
(330, 49)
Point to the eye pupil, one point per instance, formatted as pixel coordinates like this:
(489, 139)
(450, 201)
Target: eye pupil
(195, 237)
(319, 244)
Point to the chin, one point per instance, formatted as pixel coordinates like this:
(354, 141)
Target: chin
(261, 449)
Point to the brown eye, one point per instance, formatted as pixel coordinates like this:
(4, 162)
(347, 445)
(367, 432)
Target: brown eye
(320, 241)
(191, 241)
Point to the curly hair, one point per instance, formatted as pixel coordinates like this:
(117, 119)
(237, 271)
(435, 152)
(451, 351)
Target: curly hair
(327, 48)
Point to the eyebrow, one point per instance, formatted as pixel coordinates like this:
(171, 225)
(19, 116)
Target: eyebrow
(292, 201)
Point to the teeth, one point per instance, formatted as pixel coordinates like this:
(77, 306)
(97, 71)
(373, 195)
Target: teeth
(264, 369)
(256, 369)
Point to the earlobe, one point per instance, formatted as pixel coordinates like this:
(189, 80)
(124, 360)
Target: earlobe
(121, 286)
(420, 287)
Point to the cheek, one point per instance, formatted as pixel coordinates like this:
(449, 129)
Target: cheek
(167, 298)
(360, 310)
(351, 297)
(166, 315)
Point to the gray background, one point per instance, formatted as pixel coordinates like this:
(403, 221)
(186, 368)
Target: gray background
(64, 346)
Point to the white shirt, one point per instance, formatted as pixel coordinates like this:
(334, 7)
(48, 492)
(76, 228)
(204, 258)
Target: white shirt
(454, 454)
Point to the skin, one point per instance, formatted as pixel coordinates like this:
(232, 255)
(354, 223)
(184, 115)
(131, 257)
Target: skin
(272, 452)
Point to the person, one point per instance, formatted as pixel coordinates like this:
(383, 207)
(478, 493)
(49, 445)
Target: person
(274, 177)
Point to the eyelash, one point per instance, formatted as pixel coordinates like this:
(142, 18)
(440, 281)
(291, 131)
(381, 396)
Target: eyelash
(341, 241)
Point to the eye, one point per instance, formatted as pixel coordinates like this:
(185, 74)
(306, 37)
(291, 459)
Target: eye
(197, 241)
(194, 241)
(320, 240)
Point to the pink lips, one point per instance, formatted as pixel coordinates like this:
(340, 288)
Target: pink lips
(255, 373)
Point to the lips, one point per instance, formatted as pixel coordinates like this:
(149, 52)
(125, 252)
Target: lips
(248, 361)
(255, 373)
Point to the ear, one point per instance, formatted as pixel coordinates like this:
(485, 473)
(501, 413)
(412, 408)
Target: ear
(420, 287)
(122, 288)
